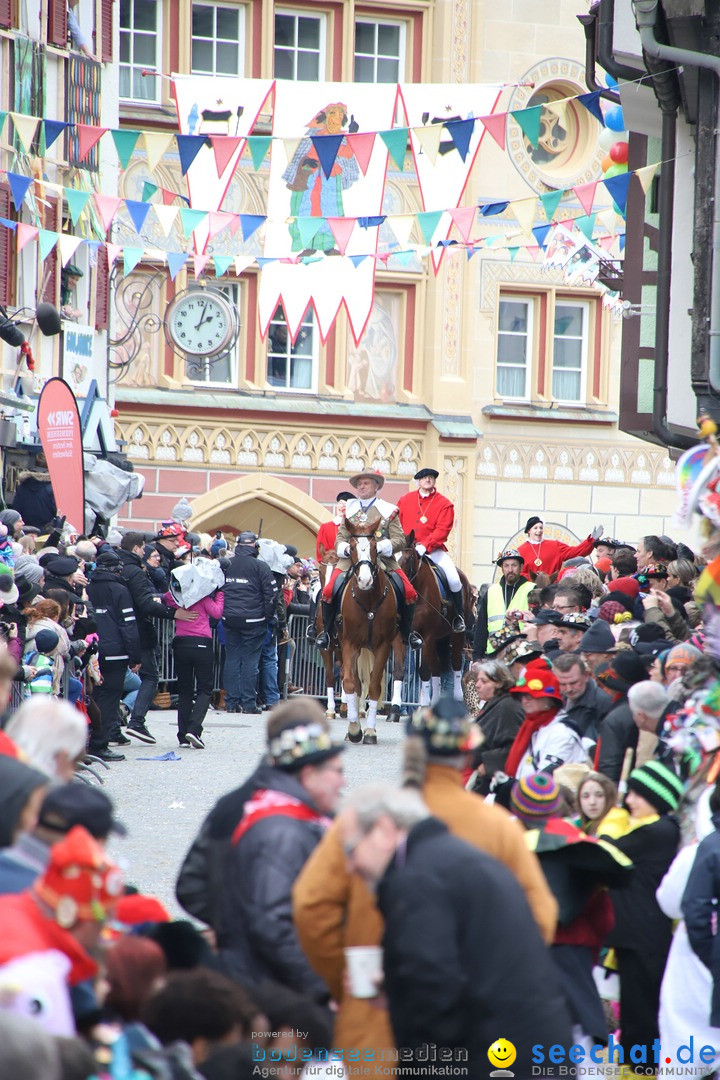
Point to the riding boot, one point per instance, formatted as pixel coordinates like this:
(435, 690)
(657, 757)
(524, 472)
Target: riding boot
(459, 621)
(323, 639)
(409, 636)
(311, 632)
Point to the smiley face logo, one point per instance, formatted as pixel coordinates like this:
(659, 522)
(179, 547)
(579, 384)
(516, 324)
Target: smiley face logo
(501, 1054)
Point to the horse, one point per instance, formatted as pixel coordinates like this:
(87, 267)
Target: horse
(433, 621)
(332, 655)
(367, 630)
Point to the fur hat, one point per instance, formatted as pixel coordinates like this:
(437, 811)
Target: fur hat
(658, 785)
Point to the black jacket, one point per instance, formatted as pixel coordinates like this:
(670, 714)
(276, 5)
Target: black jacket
(115, 617)
(250, 592)
(463, 956)
(260, 941)
(147, 602)
(699, 906)
(618, 732)
(167, 564)
(34, 500)
(588, 712)
(85, 623)
(499, 720)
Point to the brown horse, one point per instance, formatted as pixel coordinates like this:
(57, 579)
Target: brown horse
(433, 621)
(367, 631)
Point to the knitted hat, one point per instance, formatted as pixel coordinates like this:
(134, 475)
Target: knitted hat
(658, 784)
(170, 529)
(217, 546)
(538, 680)
(535, 798)
(535, 520)
(29, 568)
(79, 804)
(598, 639)
(8, 589)
(444, 726)
(684, 654)
(136, 908)
(9, 518)
(603, 564)
(46, 641)
(79, 882)
(613, 612)
(624, 670)
(627, 585)
(509, 553)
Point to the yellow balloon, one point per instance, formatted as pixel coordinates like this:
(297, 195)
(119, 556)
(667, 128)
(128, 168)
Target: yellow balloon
(502, 1053)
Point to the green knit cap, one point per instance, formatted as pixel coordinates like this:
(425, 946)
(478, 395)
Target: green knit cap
(658, 784)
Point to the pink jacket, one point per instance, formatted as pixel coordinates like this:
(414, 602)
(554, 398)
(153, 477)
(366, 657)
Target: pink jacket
(210, 607)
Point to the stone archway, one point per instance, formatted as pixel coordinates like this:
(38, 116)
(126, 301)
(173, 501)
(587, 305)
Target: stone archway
(287, 513)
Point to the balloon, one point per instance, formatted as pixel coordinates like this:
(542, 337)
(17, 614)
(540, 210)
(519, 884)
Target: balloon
(614, 118)
(607, 163)
(619, 153)
(607, 138)
(615, 170)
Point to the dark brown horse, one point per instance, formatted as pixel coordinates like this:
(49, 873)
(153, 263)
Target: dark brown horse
(442, 647)
(367, 631)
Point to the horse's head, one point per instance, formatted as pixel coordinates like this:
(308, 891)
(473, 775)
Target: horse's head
(363, 557)
(408, 559)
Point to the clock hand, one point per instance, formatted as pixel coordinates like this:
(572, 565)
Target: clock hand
(202, 317)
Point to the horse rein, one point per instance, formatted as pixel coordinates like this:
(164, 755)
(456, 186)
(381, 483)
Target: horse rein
(412, 578)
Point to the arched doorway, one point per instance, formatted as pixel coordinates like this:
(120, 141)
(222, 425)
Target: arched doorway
(286, 513)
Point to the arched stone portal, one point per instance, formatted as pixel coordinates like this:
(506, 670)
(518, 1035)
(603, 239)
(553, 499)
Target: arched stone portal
(287, 514)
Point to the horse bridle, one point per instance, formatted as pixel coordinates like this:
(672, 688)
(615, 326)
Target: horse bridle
(372, 612)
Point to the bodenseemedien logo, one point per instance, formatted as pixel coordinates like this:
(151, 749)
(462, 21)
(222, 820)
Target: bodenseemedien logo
(501, 1054)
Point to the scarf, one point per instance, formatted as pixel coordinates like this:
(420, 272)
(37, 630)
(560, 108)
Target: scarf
(267, 803)
(528, 728)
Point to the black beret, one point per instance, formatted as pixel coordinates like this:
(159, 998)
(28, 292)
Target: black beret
(535, 520)
(345, 496)
(426, 472)
(61, 565)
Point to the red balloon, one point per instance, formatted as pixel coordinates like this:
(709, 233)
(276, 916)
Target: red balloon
(619, 153)
(606, 163)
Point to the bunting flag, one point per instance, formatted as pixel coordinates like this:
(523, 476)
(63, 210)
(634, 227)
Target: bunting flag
(550, 201)
(46, 242)
(646, 176)
(524, 210)
(558, 109)
(396, 142)
(540, 232)
(190, 219)
(131, 257)
(217, 221)
(461, 132)
(52, 130)
(222, 264)
(463, 219)
(342, 230)
(76, 201)
(25, 233)
(529, 122)
(3, 118)
(586, 225)
(125, 143)
(148, 191)
(19, 186)
(259, 146)
(224, 148)
(592, 104)
(362, 145)
(113, 251)
(157, 143)
(199, 264)
(176, 260)
(617, 187)
(428, 222)
(402, 226)
(25, 129)
(107, 208)
(88, 136)
(166, 216)
(138, 212)
(496, 125)
(326, 147)
(189, 146)
(429, 139)
(67, 246)
(586, 195)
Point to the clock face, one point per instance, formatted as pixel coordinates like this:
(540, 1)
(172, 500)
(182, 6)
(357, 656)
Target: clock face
(201, 323)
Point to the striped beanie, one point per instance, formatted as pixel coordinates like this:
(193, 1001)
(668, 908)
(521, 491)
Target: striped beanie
(658, 784)
(534, 798)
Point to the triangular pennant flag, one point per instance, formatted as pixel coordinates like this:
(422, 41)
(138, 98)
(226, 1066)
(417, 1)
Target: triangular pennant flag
(341, 228)
(190, 219)
(402, 226)
(513, 252)
(53, 130)
(169, 197)
(25, 233)
(46, 241)
(428, 222)
(525, 210)
(461, 132)
(217, 220)
(404, 259)
(491, 209)
(558, 109)
(138, 212)
(357, 259)
(605, 242)
(259, 146)
(361, 144)
(586, 195)
(396, 142)
(326, 148)
(25, 129)
(307, 228)
(646, 176)
(290, 146)
(529, 121)
(18, 187)
(222, 264)
(496, 126)
(199, 264)
(107, 207)
(176, 260)
(189, 146)
(608, 220)
(550, 202)
(592, 104)
(429, 138)
(113, 250)
(534, 253)
(464, 218)
(586, 225)
(617, 187)
(67, 246)
(125, 143)
(242, 262)
(540, 233)
(166, 216)
(131, 257)
(621, 243)
(148, 191)
(156, 143)
(88, 135)
(224, 146)
(250, 223)
(77, 201)
(3, 118)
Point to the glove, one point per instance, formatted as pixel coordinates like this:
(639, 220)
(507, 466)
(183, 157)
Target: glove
(421, 549)
(384, 547)
(343, 549)
(597, 532)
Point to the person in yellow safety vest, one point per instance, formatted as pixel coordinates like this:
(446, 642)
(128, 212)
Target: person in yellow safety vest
(510, 593)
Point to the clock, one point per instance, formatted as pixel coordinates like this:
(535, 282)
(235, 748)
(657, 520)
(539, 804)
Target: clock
(201, 322)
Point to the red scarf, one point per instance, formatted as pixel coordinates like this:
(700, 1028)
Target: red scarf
(267, 803)
(522, 740)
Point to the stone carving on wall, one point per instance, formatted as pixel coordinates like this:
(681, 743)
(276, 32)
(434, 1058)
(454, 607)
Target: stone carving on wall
(454, 469)
(574, 464)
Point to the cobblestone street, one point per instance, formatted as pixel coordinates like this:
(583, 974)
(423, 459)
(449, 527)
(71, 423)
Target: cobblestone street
(162, 803)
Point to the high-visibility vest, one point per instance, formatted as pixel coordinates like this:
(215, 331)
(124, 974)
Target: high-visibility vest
(496, 603)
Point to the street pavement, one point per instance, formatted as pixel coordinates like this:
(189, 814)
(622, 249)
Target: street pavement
(163, 803)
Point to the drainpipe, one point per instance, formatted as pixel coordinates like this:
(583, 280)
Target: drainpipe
(645, 16)
(605, 53)
(589, 25)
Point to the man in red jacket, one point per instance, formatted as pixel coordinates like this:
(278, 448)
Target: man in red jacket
(430, 515)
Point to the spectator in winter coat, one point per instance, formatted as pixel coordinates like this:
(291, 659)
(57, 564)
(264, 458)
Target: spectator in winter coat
(700, 903)
(586, 705)
(194, 661)
(51, 735)
(34, 499)
(250, 592)
(499, 721)
(545, 740)
(42, 657)
(618, 731)
(166, 544)
(22, 790)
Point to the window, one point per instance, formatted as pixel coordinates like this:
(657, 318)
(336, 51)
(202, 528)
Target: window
(218, 35)
(292, 367)
(570, 350)
(139, 49)
(514, 357)
(218, 370)
(299, 46)
(379, 51)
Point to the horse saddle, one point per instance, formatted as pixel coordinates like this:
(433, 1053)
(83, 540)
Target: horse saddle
(396, 582)
(441, 577)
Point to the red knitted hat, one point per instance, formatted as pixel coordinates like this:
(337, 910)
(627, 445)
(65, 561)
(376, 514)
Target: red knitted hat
(80, 882)
(627, 585)
(538, 680)
(137, 908)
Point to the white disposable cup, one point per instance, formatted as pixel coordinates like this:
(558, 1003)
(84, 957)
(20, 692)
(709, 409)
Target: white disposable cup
(364, 964)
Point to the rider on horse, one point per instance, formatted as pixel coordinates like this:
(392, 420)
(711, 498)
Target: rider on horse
(430, 516)
(368, 509)
(325, 542)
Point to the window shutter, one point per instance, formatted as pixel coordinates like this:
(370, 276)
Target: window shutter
(57, 23)
(107, 29)
(6, 13)
(51, 264)
(102, 295)
(6, 248)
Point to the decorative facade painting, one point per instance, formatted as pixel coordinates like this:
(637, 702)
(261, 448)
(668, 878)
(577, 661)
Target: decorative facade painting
(29, 79)
(373, 361)
(82, 95)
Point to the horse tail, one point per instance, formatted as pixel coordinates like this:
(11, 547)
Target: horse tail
(414, 762)
(365, 663)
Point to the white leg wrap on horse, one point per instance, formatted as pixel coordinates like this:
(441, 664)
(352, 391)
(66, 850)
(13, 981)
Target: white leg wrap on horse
(343, 697)
(397, 692)
(331, 698)
(435, 687)
(457, 685)
(424, 693)
(352, 708)
(443, 560)
(371, 718)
